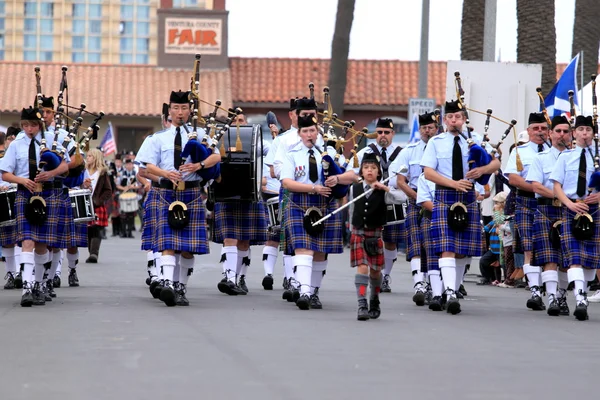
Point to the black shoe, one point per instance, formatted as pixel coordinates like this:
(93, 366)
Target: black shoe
(459, 295)
(46, 293)
(452, 303)
(230, 288)
(535, 302)
(267, 282)
(167, 294)
(436, 304)
(56, 281)
(428, 295)
(374, 310)
(303, 302)
(562, 303)
(553, 306)
(50, 288)
(462, 290)
(315, 302)
(287, 295)
(10, 281)
(295, 295)
(363, 311)
(419, 296)
(242, 283)
(148, 281)
(581, 311)
(92, 259)
(27, 299)
(385, 285)
(156, 287)
(38, 296)
(18, 280)
(286, 284)
(180, 298)
(73, 279)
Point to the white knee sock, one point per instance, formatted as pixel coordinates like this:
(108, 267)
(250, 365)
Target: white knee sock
(461, 266)
(168, 267)
(11, 259)
(39, 260)
(72, 259)
(589, 274)
(550, 278)
(54, 264)
(303, 264)
(18, 252)
(60, 262)
(576, 276)
(318, 273)
(177, 268)
(288, 266)
(158, 262)
(27, 259)
(448, 271)
(415, 269)
(243, 262)
(230, 262)
(563, 280)
(533, 276)
(389, 257)
(269, 259)
(151, 264)
(437, 288)
(187, 267)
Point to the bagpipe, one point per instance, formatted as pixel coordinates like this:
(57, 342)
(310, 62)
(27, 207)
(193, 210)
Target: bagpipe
(546, 116)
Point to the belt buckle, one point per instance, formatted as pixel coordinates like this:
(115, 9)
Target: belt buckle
(556, 203)
(180, 186)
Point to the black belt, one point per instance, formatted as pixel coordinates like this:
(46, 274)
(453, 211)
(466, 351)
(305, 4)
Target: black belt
(186, 185)
(267, 196)
(427, 214)
(440, 187)
(45, 186)
(544, 201)
(525, 193)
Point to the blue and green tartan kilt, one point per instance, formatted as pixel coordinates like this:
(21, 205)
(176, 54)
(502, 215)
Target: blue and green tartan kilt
(395, 234)
(193, 238)
(329, 241)
(428, 247)
(524, 214)
(53, 232)
(70, 231)
(240, 220)
(414, 237)
(581, 252)
(545, 216)
(149, 218)
(80, 235)
(8, 235)
(467, 242)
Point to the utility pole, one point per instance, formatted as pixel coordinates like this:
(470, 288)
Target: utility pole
(424, 56)
(489, 31)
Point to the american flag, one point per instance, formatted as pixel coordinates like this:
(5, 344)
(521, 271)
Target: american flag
(108, 144)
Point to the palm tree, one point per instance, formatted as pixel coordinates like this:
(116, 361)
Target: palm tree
(536, 38)
(471, 31)
(586, 35)
(340, 47)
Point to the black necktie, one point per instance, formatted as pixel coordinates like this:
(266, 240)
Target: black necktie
(313, 174)
(540, 148)
(457, 164)
(581, 177)
(384, 155)
(32, 160)
(177, 151)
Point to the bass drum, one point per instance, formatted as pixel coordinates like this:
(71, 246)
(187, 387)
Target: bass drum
(241, 171)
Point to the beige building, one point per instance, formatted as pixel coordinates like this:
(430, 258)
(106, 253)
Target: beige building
(84, 31)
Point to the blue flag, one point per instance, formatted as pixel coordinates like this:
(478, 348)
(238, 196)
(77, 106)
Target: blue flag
(415, 135)
(557, 101)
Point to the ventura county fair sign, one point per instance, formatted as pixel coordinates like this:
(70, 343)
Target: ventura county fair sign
(192, 35)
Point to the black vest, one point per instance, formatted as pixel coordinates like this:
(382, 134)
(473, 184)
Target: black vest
(369, 212)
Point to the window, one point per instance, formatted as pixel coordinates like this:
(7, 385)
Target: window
(125, 59)
(47, 10)
(78, 57)
(94, 43)
(46, 42)
(30, 41)
(126, 28)
(94, 58)
(143, 29)
(126, 44)
(30, 8)
(1, 54)
(30, 25)
(127, 12)
(95, 11)
(141, 59)
(2, 11)
(143, 12)
(46, 25)
(141, 45)
(78, 26)
(96, 27)
(29, 56)
(2, 24)
(46, 56)
(78, 42)
(78, 10)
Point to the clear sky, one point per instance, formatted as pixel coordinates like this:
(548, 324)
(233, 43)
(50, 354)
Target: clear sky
(382, 29)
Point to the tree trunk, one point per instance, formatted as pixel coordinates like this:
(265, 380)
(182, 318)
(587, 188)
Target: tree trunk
(586, 35)
(340, 47)
(471, 31)
(536, 38)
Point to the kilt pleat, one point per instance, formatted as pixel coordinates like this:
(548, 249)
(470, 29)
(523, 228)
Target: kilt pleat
(193, 238)
(8, 235)
(581, 252)
(467, 242)
(80, 234)
(414, 238)
(54, 232)
(329, 241)
(428, 246)
(545, 216)
(70, 232)
(151, 204)
(101, 217)
(358, 254)
(241, 221)
(524, 215)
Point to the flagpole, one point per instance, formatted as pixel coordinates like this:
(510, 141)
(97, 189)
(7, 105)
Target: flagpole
(581, 83)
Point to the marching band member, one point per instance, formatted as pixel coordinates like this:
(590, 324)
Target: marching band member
(407, 182)
(387, 152)
(308, 198)
(526, 203)
(179, 186)
(101, 193)
(455, 223)
(8, 234)
(40, 215)
(425, 200)
(128, 182)
(580, 245)
(366, 244)
(549, 212)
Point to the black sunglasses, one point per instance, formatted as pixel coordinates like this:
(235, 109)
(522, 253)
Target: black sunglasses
(383, 132)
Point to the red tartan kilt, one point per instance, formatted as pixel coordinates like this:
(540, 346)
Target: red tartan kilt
(101, 217)
(358, 254)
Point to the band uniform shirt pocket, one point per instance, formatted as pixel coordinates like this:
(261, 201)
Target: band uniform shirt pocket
(22, 165)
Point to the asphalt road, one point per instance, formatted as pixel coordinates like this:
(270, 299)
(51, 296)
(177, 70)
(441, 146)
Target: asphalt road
(108, 339)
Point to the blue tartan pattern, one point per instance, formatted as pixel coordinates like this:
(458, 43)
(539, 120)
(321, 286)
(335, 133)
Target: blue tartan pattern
(581, 252)
(543, 252)
(396, 234)
(414, 238)
(54, 231)
(80, 234)
(431, 255)
(193, 238)
(149, 219)
(70, 226)
(241, 221)
(467, 242)
(329, 241)
(524, 213)
(8, 235)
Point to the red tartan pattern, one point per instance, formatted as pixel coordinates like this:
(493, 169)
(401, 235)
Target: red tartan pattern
(358, 254)
(101, 217)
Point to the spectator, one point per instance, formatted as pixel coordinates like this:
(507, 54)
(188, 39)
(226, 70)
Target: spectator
(101, 193)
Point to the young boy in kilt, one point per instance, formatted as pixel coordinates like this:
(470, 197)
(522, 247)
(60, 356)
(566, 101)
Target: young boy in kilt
(301, 176)
(366, 243)
(20, 166)
(179, 182)
(581, 247)
(445, 164)
(548, 214)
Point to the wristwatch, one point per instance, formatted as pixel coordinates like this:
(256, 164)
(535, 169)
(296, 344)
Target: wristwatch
(201, 164)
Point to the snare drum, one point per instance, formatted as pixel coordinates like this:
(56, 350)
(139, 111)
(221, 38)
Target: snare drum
(128, 202)
(241, 171)
(82, 205)
(7, 208)
(395, 213)
(274, 214)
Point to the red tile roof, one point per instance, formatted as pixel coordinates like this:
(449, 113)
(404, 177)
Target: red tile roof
(125, 90)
